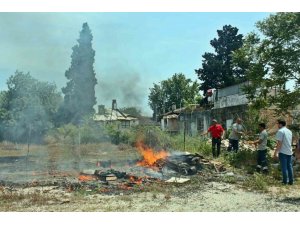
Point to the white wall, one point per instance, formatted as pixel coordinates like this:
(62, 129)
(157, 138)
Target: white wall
(231, 100)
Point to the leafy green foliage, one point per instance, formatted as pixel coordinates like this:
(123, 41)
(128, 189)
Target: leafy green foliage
(79, 93)
(271, 143)
(281, 45)
(177, 90)
(28, 108)
(217, 71)
(242, 159)
(257, 182)
(118, 136)
(270, 62)
(67, 134)
(157, 139)
(87, 133)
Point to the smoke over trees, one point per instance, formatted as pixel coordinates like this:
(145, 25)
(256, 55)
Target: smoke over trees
(27, 108)
(79, 93)
(30, 108)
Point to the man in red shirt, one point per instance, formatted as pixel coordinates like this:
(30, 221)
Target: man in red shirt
(216, 132)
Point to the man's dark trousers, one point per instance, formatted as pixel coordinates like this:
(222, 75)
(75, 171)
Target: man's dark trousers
(216, 141)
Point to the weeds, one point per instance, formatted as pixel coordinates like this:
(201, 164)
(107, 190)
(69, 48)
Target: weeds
(242, 158)
(257, 182)
(229, 179)
(260, 182)
(34, 198)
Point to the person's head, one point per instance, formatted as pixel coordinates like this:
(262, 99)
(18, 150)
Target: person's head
(239, 120)
(281, 123)
(262, 126)
(214, 121)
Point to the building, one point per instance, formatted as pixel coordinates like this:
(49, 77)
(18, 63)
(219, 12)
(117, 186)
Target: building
(106, 116)
(224, 105)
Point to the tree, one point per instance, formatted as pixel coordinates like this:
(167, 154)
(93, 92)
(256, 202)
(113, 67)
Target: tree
(270, 62)
(177, 90)
(79, 94)
(217, 71)
(27, 108)
(281, 45)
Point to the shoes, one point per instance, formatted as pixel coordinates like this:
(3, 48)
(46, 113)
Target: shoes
(289, 183)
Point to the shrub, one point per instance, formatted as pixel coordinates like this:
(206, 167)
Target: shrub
(257, 182)
(88, 132)
(66, 134)
(118, 136)
(242, 159)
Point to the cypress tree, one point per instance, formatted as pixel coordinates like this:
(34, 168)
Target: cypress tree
(79, 93)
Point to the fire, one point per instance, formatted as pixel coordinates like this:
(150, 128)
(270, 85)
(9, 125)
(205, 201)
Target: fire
(86, 178)
(136, 180)
(149, 155)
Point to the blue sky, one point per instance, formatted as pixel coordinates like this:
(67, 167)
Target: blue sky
(133, 50)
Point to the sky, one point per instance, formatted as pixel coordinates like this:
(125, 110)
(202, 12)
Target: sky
(133, 50)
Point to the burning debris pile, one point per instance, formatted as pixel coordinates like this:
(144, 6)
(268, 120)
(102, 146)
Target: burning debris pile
(180, 163)
(154, 166)
(133, 173)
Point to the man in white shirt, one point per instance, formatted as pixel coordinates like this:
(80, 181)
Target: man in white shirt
(235, 135)
(284, 150)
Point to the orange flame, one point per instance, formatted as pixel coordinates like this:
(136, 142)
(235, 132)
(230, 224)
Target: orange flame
(149, 155)
(86, 178)
(136, 180)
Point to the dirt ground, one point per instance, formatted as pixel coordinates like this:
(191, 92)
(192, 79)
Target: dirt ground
(198, 197)
(202, 193)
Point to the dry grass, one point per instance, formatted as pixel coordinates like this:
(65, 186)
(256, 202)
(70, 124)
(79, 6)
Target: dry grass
(17, 200)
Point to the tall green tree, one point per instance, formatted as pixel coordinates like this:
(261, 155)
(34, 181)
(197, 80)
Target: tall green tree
(27, 108)
(79, 94)
(177, 90)
(271, 61)
(217, 71)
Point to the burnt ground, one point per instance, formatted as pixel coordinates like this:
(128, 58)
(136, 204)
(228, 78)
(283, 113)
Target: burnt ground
(47, 179)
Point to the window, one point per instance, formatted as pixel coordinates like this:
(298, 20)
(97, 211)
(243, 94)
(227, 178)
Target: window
(200, 124)
(125, 124)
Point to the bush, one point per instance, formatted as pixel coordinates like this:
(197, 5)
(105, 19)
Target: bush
(118, 136)
(66, 134)
(242, 159)
(257, 182)
(89, 132)
(271, 143)
(156, 138)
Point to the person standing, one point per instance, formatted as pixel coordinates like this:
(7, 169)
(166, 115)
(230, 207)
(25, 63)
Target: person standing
(284, 151)
(297, 151)
(216, 131)
(235, 135)
(262, 149)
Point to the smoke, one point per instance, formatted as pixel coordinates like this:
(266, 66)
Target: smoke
(126, 86)
(39, 43)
